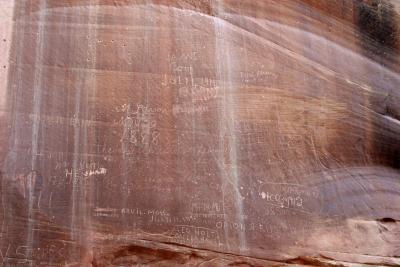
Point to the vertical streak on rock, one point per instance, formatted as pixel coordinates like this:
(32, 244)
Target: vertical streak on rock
(75, 162)
(126, 124)
(85, 88)
(217, 25)
(227, 139)
(192, 82)
(90, 95)
(36, 106)
(14, 91)
(126, 121)
(6, 26)
(147, 37)
(6, 8)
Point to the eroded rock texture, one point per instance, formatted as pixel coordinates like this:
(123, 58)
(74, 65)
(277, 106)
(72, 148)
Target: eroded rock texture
(199, 133)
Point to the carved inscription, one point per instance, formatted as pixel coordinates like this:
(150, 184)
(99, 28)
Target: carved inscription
(139, 128)
(192, 235)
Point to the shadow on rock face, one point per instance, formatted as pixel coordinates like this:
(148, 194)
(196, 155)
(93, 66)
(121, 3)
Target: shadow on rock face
(377, 21)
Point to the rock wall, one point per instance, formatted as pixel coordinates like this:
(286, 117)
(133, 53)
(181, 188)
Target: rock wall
(199, 133)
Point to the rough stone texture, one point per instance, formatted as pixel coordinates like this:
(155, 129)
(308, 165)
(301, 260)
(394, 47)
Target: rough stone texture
(199, 133)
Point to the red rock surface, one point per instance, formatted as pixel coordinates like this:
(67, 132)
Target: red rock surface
(199, 133)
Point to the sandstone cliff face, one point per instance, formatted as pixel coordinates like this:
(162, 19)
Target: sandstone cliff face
(199, 133)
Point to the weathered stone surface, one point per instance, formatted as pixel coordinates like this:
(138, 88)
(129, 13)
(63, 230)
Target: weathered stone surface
(199, 133)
